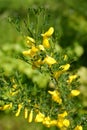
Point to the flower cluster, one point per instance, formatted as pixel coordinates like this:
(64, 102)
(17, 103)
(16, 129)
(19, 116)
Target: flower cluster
(53, 105)
(39, 53)
(61, 121)
(37, 59)
(35, 52)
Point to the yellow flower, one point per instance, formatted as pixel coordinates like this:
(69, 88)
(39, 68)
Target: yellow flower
(41, 47)
(71, 78)
(66, 122)
(39, 117)
(26, 113)
(19, 110)
(65, 67)
(30, 116)
(49, 60)
(78, 127)
(60, 123)
(46, 43)
(47, 121)
(53, 122)
(48, 33)
(5, 107)
(31, 52)
(65, 57)
(14, 93)
(37, 63)
(62, 115)
(55, 96)
(30, 41)
(75, 92)
(57, 74)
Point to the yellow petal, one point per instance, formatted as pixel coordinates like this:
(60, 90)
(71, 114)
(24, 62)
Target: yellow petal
(55, 96)
(65, 67)
(31, 52)
(66, 122)
(78, 127)
(26, 53)
(19, 110)
(34, 49)
(47, 121)
(30, 41)
(53, 93)
(75, 92)
(57, 74)
(26, 113)
(37, 63)
(71, 78)
(41, 47)
(49, 60)
(53, 122)
(62, 115)
(17, 113)
(7, 106)
(48, 33)
(46, 43)
(39, 117)
(65, 57)
(60, 123)
(30, 116)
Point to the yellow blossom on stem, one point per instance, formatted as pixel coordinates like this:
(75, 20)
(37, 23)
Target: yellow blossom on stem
(65, 57)
(53, 122)
(57, 74)
(41, 47)
(71, 78)
(78, 127)
(47, 121)
(62, 115)
(30, 41)
(30, 116)
(55, 96)
(66, 122)
(39, 117)
(26, 53)
(5, 107)
(49, 60)
(75, 92)
(60, 123)
(48, 33)
(65, 67)
(37, 63)
(31, 52)
(19, 110)
(26, 113)
(46, 43)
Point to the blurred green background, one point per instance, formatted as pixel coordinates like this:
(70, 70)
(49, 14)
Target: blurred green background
(69, 17)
